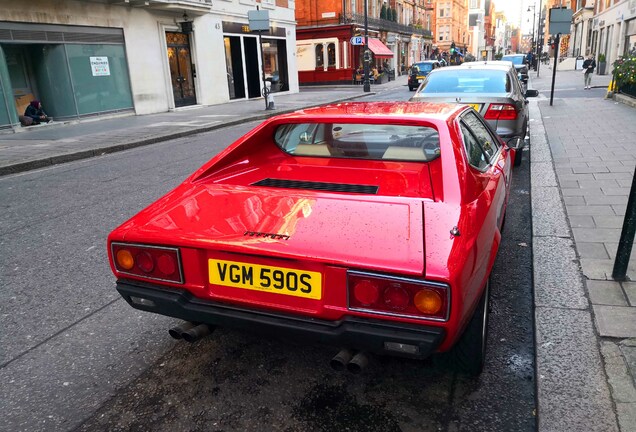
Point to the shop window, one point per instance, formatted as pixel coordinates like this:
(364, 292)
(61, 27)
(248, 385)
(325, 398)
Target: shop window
(331, 55)
(320, 61)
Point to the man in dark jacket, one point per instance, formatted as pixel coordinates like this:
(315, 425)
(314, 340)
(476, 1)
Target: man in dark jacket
(588, 67)
(35, 111)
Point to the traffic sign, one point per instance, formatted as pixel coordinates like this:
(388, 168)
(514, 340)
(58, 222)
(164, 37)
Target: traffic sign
(357, 40)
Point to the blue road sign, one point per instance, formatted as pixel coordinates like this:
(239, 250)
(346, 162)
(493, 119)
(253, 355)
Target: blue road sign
(357, 40)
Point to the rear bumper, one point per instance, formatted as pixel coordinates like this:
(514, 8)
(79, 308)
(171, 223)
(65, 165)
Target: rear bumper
(356, 333)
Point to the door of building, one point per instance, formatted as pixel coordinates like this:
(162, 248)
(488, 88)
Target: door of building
(181, 73)
(252, 68)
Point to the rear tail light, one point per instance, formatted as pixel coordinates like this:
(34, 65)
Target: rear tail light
(501, 112)
(390, 295)
(149, 262)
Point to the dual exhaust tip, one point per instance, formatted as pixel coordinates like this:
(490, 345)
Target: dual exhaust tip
(190, 332)
(346, 358)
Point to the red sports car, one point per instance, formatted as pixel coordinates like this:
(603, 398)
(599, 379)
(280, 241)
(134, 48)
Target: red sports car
(372, 227)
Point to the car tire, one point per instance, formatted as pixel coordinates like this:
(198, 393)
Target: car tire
(469, 353)
(411, 88)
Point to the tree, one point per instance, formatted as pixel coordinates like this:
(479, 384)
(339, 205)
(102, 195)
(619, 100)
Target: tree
(383, 12)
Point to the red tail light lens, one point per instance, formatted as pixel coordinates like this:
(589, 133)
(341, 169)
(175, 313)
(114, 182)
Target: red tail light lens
(501, 112)
(145, 262)
(148, 262)
(396, 297)
(366, 292)
(390, 295)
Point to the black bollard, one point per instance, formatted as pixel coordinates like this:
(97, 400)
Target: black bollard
(626, 242)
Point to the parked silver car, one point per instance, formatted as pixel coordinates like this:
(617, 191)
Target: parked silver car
(493, 90)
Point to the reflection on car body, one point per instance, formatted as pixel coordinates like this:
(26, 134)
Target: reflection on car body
(372, 227)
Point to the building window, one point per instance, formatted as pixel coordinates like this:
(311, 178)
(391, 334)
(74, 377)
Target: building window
(474, 4)
(320, 59)
(331, 55)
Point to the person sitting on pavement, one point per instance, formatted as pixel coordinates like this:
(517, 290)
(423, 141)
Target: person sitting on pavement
(35, 111)
(588, 68)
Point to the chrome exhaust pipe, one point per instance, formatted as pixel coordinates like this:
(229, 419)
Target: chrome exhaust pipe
(340, 360)
(196, 333)
(177, 331)
(357, 363)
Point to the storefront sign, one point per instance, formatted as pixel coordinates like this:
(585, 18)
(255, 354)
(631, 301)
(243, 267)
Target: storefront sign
(328, 14)
(229, 27)
(99, 66)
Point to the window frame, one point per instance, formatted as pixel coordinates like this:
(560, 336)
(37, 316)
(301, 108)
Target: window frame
(495, 140)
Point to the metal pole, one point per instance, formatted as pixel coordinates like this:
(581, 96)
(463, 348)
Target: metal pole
(265, 92)
(556, 59)
(624, 249)
(367, 85)
(539, 44)
(534, 22)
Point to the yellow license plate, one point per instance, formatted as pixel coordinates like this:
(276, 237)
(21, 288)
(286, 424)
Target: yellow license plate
(279, 280)
(476, 107)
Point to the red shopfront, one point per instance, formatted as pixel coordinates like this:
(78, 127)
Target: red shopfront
(326, 56)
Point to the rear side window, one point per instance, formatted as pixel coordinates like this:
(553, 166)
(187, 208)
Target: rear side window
(359, 141)
(489, 145)
(476, 156)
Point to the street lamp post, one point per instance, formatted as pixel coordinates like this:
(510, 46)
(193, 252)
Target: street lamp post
(539, 41)
(534, 22)
(367, 85)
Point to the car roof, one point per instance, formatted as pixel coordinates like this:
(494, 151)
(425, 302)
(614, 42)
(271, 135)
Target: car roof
(491, 64)
(426, 61)
(354, 111)
(514, 55)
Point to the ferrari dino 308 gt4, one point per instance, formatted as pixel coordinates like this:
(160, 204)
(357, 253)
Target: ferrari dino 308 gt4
(372, 227)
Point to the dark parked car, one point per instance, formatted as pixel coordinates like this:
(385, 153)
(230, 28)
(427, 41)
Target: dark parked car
(419, 71)
(520, 64)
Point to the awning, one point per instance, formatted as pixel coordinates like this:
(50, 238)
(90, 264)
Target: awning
(379, 49)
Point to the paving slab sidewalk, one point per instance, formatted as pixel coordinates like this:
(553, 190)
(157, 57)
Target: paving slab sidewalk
(583, 153)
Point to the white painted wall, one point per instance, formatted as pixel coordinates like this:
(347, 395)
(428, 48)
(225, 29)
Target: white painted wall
(144, 33)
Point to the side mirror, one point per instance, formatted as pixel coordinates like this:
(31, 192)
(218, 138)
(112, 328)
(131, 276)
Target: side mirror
(532, 93)
(515, 143)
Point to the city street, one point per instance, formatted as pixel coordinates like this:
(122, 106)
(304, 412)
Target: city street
(72, 345)
(77, 357)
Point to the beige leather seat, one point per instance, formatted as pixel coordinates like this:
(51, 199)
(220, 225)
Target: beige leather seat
(404, 153)
(312, 150)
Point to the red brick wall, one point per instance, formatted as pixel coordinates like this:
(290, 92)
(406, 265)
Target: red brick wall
(309, 12)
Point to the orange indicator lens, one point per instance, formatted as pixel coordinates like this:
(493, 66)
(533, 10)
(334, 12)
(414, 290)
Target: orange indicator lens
(428, 301)
(125, 259)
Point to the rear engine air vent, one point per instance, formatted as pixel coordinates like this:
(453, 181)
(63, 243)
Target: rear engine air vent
(331, 187)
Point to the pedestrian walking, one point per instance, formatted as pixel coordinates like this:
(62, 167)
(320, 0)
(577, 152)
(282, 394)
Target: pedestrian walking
(588, 67)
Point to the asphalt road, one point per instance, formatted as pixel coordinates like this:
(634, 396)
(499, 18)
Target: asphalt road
(77, 357)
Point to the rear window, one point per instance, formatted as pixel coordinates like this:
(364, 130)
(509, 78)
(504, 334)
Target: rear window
(424, 66)
(458, 80)
(359, 141)
(514, 59)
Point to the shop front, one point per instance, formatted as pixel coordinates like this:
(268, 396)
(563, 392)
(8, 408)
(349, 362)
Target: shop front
(326, 55)
(242, 54)
(75, 71)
